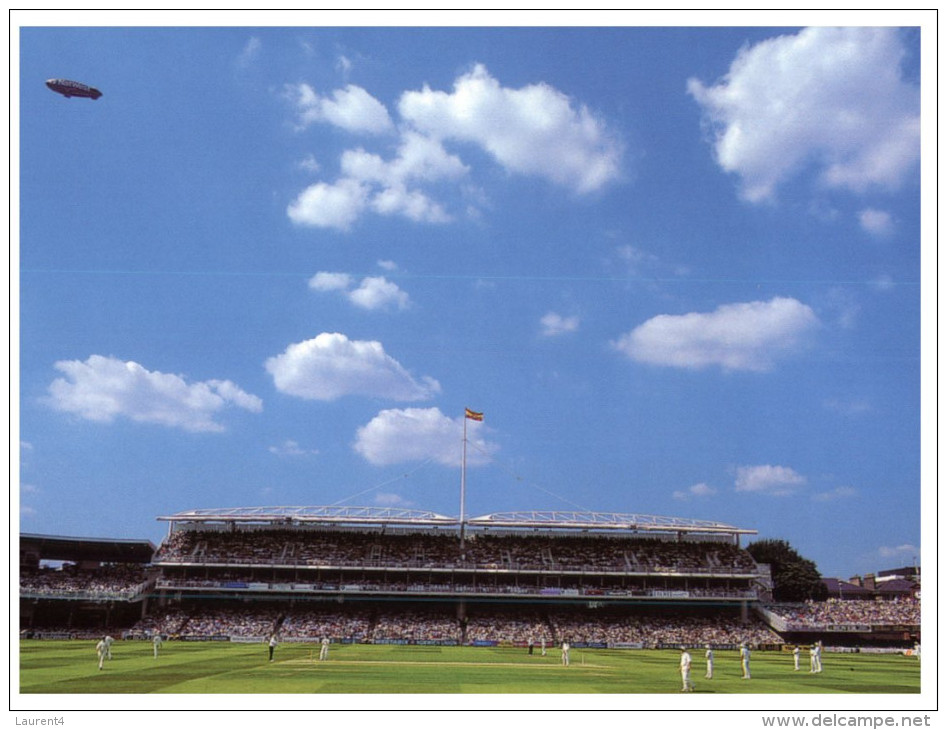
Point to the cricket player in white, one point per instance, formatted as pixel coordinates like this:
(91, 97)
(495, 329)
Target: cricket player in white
(745, 660)
(101, 649)
(156, 642)
(818, 657)
(795, 659)
(709, 654)
(686, 685)
(324, 651)
(542, 645)
(812, 659)
(565, 653)
(108, 646)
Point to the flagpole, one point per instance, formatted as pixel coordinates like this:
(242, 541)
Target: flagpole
(473, 416)
(463, 488)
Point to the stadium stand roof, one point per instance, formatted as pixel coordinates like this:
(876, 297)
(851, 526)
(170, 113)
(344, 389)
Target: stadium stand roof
(400, 516)
(328, 515)
(906, 572)
(604, 520)
(106, 550)
(896, 587)
(845, 589)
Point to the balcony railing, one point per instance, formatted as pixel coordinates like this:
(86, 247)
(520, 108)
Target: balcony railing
(67, 593)
(585, 592)
(556, 567)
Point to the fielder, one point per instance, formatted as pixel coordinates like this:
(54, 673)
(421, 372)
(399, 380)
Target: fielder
(709, 654)
(745, 660)
(324, 650)
(686, 684)
(565, 653)
(102, 650)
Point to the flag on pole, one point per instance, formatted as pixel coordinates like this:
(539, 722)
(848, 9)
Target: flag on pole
(473, 415)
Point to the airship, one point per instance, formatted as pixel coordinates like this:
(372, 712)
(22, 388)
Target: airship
(73, 88)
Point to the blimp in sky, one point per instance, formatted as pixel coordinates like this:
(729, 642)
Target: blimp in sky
(73, 88)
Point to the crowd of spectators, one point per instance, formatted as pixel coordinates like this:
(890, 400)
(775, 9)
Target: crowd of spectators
(441, 625)
(232, 621)
(416, 626)
(64, 631)
(109, 580)
(382, 624)
(167, 622)
(502, 626)
(646, 627)
(814, 614)
(459, 585)
(672, 629)
(354, 625)
(327, 547)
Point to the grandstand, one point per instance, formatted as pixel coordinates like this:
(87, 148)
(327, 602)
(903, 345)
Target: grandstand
(414, 576)
(544, 556)
(386, 575)
(101, 582)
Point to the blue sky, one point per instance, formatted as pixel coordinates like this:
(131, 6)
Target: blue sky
(678, 269)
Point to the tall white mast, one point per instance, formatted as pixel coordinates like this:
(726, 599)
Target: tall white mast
(473, 416)
(463, 488)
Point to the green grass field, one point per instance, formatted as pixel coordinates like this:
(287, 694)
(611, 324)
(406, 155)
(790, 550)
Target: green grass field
(71, 667)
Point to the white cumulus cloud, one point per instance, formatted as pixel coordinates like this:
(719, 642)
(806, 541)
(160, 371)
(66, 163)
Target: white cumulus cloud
(330, 281)
(250, 52)
(900, 552)
(837, 493)
(830, 98)
(696, 491)
(743, 336)
(419, 158)
(555, 324)
(876, 222)
(534, 130)
(291, 448)
(331, 366)
(387, 187)
(309, 163)
(322, 205)
(351, 108)
(376, 292)
(419, 434)
(372, 293)
(778, 481)
(105, 388)
(412, 204)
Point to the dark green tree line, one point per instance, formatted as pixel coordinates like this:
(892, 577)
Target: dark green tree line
(794, 577)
